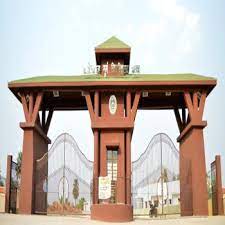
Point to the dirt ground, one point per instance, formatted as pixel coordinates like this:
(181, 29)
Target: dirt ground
(12, 219)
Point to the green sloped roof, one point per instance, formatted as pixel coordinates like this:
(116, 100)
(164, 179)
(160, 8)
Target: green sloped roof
(113, 42)
(129, 77)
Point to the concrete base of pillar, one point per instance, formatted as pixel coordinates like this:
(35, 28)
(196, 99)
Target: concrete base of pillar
(112, 212)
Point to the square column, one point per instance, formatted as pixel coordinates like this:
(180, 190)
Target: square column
(193, 187)
(112, 118)
(193, 184)
(217, 190)
(35, 144)
(8, 184)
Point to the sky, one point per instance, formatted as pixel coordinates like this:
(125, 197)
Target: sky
(53, 37)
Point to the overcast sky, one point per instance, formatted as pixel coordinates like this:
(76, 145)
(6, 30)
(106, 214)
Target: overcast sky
(55, 37)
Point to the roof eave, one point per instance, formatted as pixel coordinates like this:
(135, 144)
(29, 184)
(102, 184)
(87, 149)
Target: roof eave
(12, 85)
(207, 85)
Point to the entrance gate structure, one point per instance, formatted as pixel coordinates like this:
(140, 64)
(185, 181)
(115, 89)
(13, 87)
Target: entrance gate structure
(112, 96)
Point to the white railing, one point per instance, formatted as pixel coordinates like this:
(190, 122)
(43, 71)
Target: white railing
(90, 69)
(112, 69)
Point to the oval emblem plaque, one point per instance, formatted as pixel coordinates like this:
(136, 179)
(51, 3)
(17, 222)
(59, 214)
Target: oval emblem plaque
(112, 104)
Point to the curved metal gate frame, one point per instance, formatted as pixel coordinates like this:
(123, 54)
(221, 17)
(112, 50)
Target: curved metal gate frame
(155, 176)
(63, 179)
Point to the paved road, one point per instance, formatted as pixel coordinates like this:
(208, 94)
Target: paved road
(10, 219)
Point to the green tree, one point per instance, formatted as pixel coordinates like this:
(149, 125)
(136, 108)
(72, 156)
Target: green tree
(19, 164)
(75, 189)
(80, 204)
(1, 180)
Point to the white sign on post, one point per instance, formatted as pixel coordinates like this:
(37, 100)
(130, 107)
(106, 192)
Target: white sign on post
(104, 187)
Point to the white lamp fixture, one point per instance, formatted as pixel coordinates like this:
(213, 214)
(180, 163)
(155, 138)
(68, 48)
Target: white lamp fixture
(144, 94)
(168, 93)
(56, 93)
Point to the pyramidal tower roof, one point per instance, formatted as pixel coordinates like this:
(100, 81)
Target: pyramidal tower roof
(113, 43)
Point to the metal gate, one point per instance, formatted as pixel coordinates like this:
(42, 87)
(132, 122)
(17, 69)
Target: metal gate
(63, 179)
(155, 178)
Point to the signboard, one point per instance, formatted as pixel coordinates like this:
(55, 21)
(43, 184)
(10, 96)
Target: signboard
(104, 187)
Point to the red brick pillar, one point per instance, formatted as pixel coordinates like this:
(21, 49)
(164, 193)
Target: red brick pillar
(219, 185)
(186, 203)
(27, 173)
(193, 185)
(218, 192)
(8, 184)
(115, 131)
(35, 145)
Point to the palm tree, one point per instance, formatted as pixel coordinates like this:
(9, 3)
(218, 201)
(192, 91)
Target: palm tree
(75, 190)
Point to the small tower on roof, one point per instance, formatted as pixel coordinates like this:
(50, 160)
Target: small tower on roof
(113, 57)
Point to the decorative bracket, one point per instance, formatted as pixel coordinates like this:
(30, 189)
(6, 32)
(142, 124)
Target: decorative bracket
(181, 121)
(195, 105)
(135, 105)
(89, 105)
(46, 123)
(130, 111)
(30, 109)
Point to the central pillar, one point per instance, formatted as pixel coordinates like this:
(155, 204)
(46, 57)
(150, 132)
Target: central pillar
(112, 120)
(110, 142)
